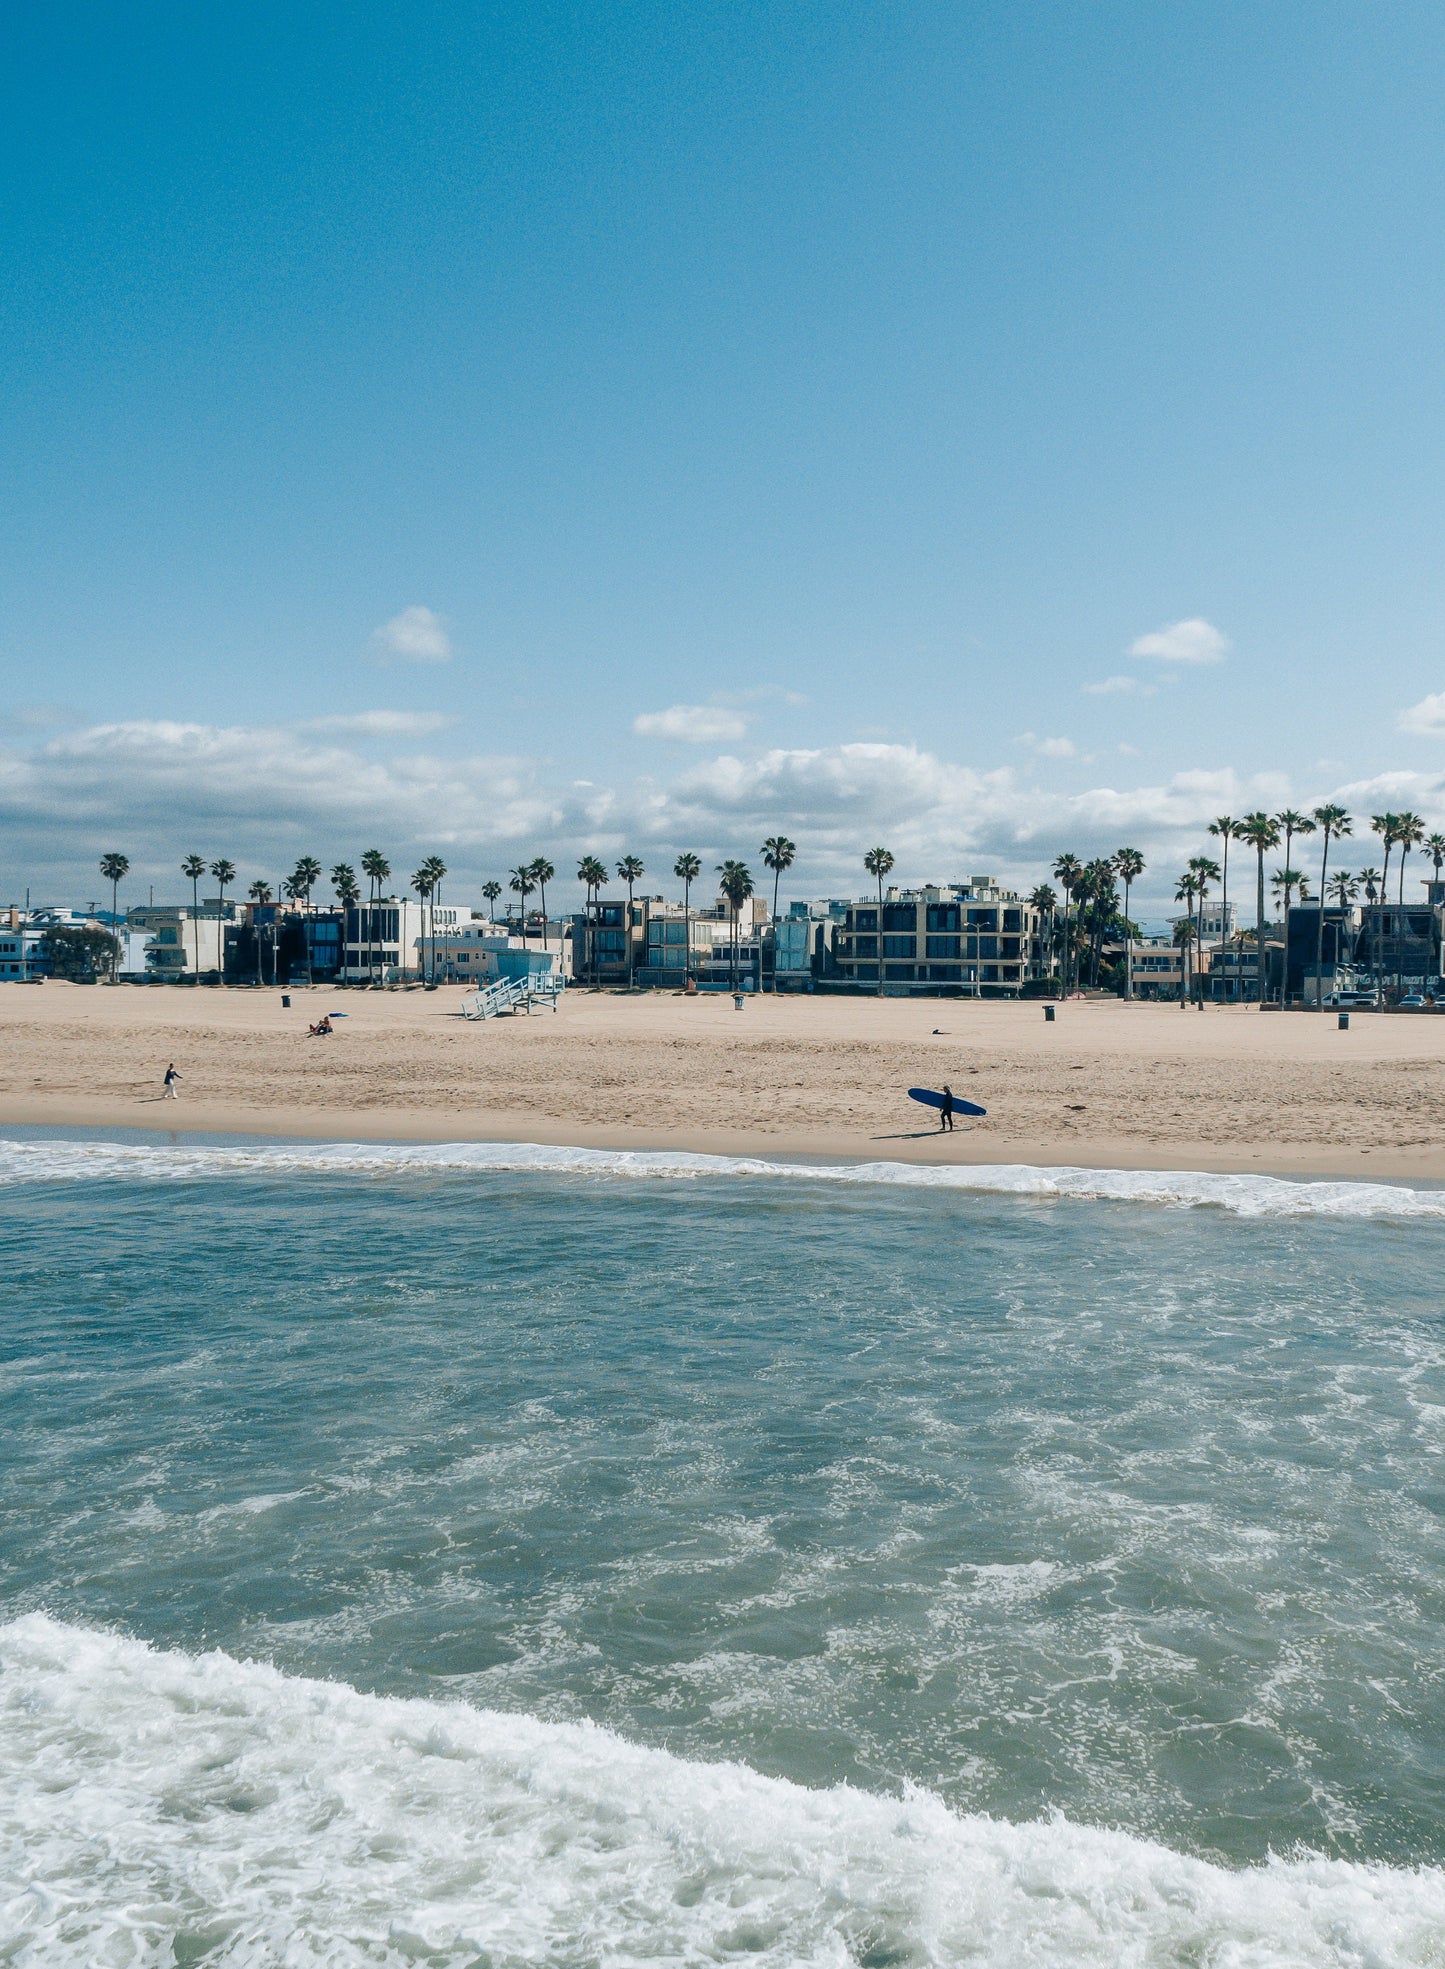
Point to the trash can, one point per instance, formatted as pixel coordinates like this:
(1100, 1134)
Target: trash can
(738, 1000)
(1048, 1015)
(1344, 1022)
(285, 1001)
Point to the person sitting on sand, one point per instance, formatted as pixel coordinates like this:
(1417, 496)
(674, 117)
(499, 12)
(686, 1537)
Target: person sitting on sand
(945, 1110)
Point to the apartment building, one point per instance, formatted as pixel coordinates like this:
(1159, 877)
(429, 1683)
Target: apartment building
(183, 942)
(968, 937)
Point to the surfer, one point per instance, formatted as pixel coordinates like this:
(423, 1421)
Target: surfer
(945, 1110)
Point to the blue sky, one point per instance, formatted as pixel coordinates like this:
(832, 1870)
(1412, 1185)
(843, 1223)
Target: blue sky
(502, 431)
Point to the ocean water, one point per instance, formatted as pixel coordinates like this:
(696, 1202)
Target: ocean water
(482, 1556)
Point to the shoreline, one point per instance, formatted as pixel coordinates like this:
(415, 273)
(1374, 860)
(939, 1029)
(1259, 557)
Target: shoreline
(103, 1120)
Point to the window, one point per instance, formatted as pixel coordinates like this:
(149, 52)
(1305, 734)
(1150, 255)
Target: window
(610, 945)
(1012, 920)
(988, 946)
(943, 916)
(898, 973)
(983, 919)
(864, 919)
(866, 947)
(943, 946)
(1009, 947)
(900, 946)
(945, 973)
(899, 916)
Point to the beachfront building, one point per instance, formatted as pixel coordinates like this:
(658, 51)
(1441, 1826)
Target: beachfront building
(1339, 963)
(658, 944)
(965, 938)
(182, 942)
(1401, 948)
(472, 953)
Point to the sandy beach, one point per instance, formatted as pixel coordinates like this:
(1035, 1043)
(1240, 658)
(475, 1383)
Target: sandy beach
(1106, 1084)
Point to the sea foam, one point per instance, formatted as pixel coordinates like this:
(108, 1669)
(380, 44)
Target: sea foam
(32, 1161)
(162, 1807)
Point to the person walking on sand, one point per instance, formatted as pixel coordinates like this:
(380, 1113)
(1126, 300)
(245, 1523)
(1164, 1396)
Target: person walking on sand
(171, 1078)
(945, 1110)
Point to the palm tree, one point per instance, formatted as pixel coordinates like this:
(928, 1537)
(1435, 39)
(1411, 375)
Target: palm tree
(521, 884)
(114, 868)
(304, 877)
(1204, 872)
(1188, 894)
(225, 873)
(735, 881)
(423, 882)
(1129, 866)
(1435, 849)
(543, 873)
(1066, 872)
(879, 862)
(193, 868)
(260, 892)
(1409, 833)
(1044, 901)
(1384, 825)
(778, 854)
(592, 874)
(1345, 886)
(631, 870)
(687, 868)
(377, 869)
(348, 895)
(1223, 829)
(491, 890)
(1290, 823)
(1334, 824)
(1261, 833)
(436, 868)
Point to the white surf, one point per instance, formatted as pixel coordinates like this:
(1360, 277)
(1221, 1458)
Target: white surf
(159, 1807)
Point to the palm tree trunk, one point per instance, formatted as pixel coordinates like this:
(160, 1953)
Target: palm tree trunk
(1400, 924)
(686, 932)
(196, 922)
(1259, 932)
(1320, 931)
(1128, 951)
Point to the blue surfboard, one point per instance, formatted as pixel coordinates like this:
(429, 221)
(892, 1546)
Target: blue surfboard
(931, 1100)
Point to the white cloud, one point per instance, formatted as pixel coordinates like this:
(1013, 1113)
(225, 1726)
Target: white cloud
(1191, 641)
(414, 636)
(1049, 748)
(265, 794)
(382, 724)
(1427, 717)
(1118, 687)
(692, 724)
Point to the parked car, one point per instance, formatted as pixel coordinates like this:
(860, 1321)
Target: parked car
(1415, 1001)
(1356, 1001)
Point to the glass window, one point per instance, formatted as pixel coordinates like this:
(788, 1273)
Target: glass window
(946, 973)
(988, 946)
(983, 919)
(942, 946)
(900, 946)
(943, 916)
(1012, 920)
(864, 919)
(899, 916)
(866, 947)
(898, 973)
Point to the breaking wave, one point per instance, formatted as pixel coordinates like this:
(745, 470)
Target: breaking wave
(162, 1807)
(1243, 1195)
